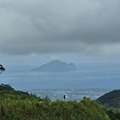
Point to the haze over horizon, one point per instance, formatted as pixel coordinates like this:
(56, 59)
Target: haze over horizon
(73, 31)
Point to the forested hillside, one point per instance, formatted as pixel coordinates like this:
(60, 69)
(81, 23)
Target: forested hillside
(112, 98)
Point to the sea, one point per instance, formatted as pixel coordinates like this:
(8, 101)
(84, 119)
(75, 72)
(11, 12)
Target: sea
(88, 80)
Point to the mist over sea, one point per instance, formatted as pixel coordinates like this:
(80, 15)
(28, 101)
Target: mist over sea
(89, 79)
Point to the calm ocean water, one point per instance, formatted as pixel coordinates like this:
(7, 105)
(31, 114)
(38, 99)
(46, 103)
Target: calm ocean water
(90, 80)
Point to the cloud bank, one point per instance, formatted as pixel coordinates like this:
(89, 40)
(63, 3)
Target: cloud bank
(59, 26)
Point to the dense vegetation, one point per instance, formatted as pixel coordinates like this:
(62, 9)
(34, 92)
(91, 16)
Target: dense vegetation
(2, 68)
(18, 105)
(113, 113)
(111, 99)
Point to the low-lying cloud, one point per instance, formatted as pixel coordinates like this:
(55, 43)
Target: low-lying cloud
(58, 26)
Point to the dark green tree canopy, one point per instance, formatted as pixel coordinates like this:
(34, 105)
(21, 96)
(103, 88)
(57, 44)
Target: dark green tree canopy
(2, 68)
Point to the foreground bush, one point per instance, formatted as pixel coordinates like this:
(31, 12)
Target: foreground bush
(17, 105)
(112, 112)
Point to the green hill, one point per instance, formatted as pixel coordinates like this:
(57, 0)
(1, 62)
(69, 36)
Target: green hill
(112, 99)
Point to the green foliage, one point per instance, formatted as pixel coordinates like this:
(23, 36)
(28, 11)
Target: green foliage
(112, 99)
(18, 105)
(113, 113)
(5, 87)
(2, 68)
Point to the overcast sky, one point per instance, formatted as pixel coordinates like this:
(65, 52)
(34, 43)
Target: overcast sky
(60, 26)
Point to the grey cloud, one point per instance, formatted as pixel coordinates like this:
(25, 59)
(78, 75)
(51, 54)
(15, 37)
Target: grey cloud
(44, 26)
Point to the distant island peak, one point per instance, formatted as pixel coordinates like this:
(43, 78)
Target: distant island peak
(56, 66)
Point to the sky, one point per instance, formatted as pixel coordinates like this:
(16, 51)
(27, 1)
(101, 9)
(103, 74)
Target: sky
(70, 30)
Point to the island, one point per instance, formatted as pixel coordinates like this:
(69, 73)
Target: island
(56, 66)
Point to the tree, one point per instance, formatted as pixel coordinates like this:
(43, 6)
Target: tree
(2, 68)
